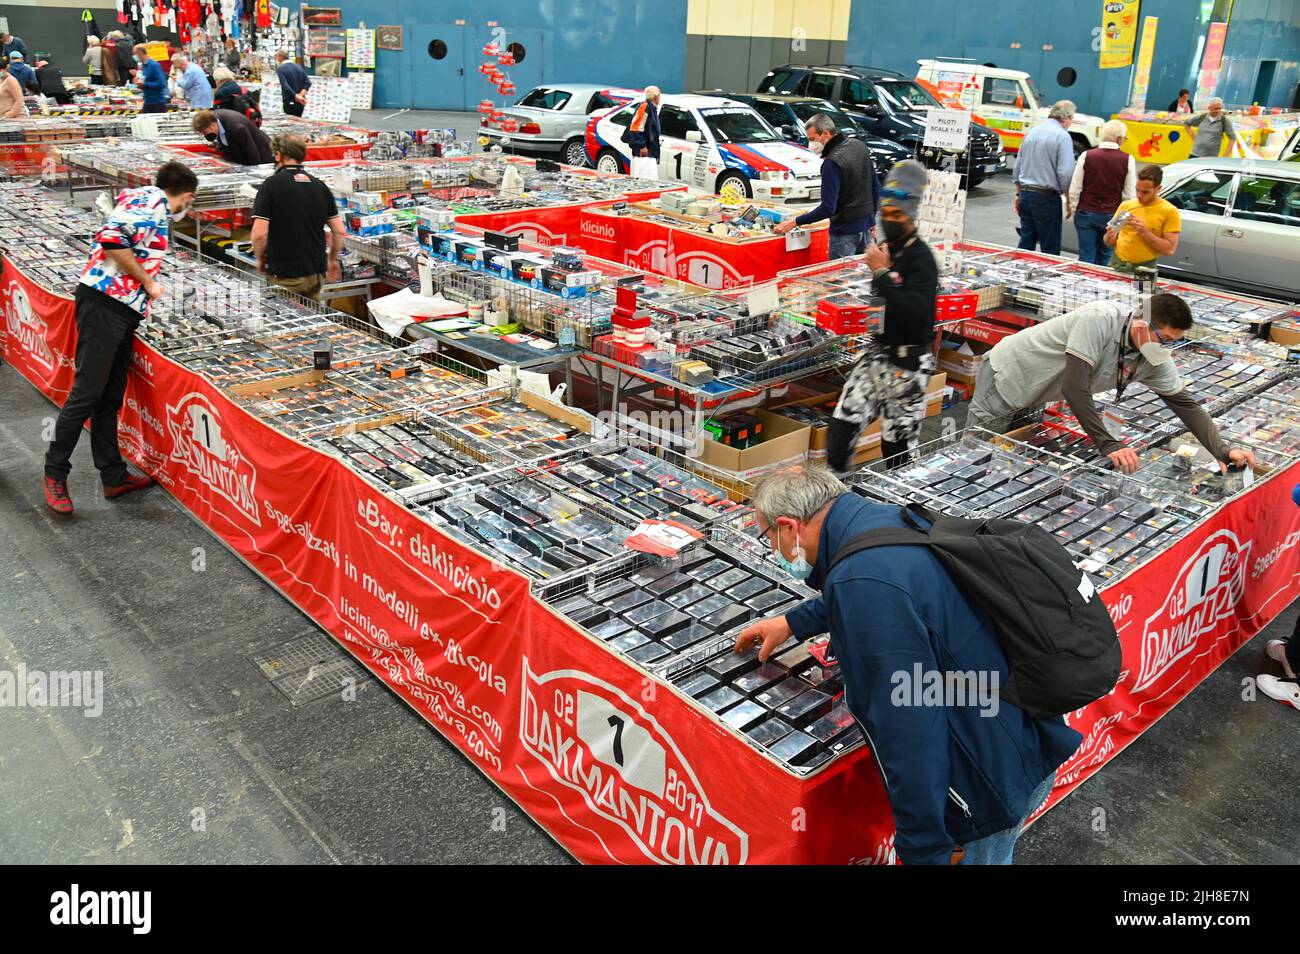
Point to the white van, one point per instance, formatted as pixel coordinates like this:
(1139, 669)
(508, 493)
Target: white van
(1005, 101)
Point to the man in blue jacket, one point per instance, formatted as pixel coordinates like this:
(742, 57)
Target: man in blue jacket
(24, 74)
(152, 81)
(963, 774)
(642, 132)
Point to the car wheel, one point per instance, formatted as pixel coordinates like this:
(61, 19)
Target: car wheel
(574, 153)
(609, 161)
(733, 185)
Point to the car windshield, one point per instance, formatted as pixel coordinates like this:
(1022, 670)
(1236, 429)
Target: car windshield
(733, 124)
(904, 95)
(543, 98)
(1036, 92)
(806, 111)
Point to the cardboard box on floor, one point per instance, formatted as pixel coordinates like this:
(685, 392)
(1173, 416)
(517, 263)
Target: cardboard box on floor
(782, 440)
(961, 367)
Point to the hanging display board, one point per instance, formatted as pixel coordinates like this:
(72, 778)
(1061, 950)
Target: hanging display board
(322, 16)
(363, 89)
(361, 49)
(388, 37)
(329, 100)
(272, 100)
(327, 42)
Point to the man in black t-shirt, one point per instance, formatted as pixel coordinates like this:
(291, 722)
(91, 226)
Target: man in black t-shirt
(291, 213)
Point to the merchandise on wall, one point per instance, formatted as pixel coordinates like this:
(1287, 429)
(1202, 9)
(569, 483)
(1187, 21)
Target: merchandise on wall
(329, 99)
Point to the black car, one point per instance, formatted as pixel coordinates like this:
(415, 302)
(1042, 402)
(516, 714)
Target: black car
(889, 105)
(789, 114)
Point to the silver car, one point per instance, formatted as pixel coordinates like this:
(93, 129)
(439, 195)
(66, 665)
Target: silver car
(1241, 224)
(551, 120)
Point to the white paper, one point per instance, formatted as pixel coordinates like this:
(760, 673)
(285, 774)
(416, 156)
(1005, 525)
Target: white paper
(797, 240)
(763, 300)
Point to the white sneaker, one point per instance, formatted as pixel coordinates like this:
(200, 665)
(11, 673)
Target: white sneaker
(1281, 689)
(1275, 649)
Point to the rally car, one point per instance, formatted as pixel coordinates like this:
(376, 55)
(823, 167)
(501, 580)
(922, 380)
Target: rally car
(718, 145)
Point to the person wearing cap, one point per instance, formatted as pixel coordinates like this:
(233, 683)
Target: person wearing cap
(889, 379)
(1101, 346)
(25, 75)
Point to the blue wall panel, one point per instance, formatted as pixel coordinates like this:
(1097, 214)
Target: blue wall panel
(985, 29)
(618, 42)
(1261, 30)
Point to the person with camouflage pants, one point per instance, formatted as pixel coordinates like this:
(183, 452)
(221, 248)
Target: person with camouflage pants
(889, 379)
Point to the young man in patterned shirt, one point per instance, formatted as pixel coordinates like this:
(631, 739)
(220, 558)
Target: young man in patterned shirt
(112, 298)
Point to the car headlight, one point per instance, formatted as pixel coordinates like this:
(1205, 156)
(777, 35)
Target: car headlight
(773, 176)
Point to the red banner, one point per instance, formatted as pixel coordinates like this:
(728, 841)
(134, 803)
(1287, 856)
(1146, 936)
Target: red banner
(691, 256)
(40, 333)
(617, 766)
(1183, 613)
(551, 225)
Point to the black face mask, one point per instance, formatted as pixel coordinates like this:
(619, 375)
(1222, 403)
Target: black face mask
(210, 137)
(894, 231)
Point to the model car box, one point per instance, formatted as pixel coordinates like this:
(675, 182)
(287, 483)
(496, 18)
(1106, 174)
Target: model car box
(781, 440)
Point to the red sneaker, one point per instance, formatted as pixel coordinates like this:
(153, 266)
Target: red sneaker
(132, 482)
(56, 496)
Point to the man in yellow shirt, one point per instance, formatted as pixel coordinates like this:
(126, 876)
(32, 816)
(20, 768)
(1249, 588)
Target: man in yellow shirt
(1144, 229)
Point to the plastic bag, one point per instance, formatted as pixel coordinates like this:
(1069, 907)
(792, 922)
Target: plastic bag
(645, 167)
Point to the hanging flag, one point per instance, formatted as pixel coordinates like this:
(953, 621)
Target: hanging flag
(263, 14)
(1142, 75)
(1119, 27)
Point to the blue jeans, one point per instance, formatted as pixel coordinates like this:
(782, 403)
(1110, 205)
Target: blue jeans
(1091, 228)
(842, 246)
(996, 849)
(1040, 221)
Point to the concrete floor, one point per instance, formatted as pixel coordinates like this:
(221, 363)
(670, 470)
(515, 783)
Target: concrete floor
(198, 758)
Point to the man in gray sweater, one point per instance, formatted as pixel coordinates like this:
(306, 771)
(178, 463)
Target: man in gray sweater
(1211, 126)
(1099, 347)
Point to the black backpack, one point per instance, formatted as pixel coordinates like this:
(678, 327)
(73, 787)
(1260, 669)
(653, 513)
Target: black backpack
(1057, 634)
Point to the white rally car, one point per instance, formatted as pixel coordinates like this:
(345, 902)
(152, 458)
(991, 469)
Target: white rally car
(715, 144)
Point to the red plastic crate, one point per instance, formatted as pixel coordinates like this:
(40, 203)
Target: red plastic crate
(956, 307)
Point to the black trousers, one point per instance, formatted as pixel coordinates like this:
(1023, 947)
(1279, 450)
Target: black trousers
(154, 108)
(104, 342)
(294, 109)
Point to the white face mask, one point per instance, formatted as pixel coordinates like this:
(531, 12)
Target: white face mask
(1155, 353)
(182, 214)
(816, 146)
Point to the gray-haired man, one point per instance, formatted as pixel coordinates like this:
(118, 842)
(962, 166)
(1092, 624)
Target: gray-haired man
(962, 775)
(850, 189)
(1044, 169)
(1211, 126)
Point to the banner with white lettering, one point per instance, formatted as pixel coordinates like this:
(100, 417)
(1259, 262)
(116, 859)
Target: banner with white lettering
(617, 766)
